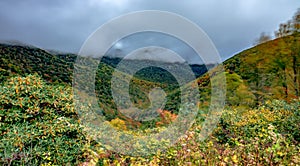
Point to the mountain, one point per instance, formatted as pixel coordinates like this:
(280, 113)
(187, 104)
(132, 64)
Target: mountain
(38, 117)
(21, 60)
(271, 69)
(266, 71)
(58, 68)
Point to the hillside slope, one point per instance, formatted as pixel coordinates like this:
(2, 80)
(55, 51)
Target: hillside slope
(271, 69)
(39, 124)
(58, 69)
(264, 72)
(21, 60)
(267, 71)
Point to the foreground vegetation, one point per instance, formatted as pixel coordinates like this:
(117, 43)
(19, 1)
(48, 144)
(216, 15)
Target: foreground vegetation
(40, 127)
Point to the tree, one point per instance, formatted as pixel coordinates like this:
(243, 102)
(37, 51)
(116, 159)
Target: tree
(262, 38)
(291, 27)
(296, 21)
(238, 93)
(286, 30)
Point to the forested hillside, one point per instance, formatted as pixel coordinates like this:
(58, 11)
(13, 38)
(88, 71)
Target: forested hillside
(270, 69)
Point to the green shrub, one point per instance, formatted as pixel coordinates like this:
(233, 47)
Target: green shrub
(38, 124)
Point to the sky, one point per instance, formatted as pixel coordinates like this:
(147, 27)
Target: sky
(64, 25)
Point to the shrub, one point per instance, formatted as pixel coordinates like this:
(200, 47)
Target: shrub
(118, 124)
(38, 124)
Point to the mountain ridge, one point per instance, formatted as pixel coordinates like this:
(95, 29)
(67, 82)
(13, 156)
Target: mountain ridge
(255, 75)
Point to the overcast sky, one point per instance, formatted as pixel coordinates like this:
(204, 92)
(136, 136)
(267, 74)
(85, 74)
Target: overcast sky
(64, 25)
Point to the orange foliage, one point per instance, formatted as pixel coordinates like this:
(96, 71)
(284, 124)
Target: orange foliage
(166, 117)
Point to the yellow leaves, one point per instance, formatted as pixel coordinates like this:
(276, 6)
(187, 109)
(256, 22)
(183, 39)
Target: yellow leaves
(46, 156)
(17, 90)
(280, 153)
(20, 102)
(39, 84)
(46, 164)
(19, 80)
(226, 159)
(258, 116)
(118, 124)
(210, 144)
(27, 82)
(55, 103)
(234, 159)
(52, 133)
(116, 163)
(106, 161)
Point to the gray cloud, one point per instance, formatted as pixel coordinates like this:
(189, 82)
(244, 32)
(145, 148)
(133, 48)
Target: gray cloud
(232, 25)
